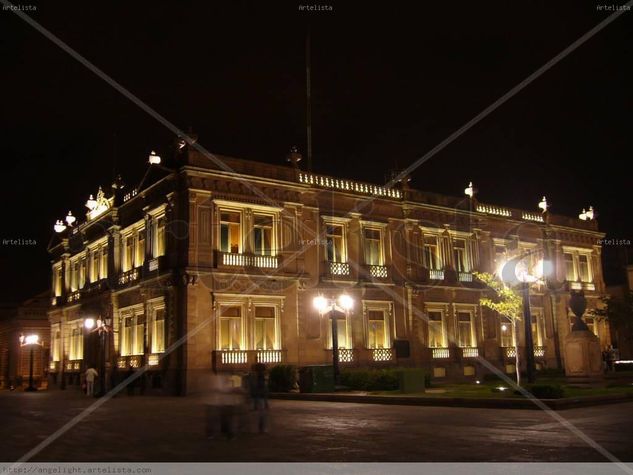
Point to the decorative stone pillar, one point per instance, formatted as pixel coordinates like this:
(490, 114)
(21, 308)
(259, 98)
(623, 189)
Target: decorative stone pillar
(583, 359)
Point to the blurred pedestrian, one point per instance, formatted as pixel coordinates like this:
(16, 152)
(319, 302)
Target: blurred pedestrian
(91, 374)
(258, 389)
(611, 358)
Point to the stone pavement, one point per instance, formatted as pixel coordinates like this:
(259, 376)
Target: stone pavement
(162, 429)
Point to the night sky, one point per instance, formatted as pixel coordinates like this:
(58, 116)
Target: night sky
(390, 81)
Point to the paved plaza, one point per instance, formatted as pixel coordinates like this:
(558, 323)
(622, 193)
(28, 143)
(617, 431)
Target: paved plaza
(162, 429)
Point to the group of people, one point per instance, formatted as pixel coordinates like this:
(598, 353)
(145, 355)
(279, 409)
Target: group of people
(233, 400)
(609, 357)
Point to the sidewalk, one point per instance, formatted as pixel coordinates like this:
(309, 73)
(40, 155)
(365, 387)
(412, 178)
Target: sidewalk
(490, 403)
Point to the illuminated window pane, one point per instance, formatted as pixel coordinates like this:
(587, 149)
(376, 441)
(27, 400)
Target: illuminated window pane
(506, 338)
(158, 331)
(436, 330)
(265, 328)
(140, 248)
(263, 234)
(376, 329)
(373, 248)
(230, 232)
(334, 243)
(465, 329)
(583, 268)
(431, 256)
(230, 328)
(459, 253)
(569, 267)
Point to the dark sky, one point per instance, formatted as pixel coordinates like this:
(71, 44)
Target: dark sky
(390, 81)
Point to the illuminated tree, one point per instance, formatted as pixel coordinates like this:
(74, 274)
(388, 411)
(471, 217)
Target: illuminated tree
(508, 303)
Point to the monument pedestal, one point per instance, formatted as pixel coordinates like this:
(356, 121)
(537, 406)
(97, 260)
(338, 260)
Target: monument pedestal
(583, 359)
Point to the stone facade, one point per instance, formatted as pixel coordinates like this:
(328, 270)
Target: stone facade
(214, 267)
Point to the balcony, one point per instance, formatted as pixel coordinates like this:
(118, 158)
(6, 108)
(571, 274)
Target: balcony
(382, 355)
(375, 273)
(242, 360)
(73, 296)
(73, 365)
(509, 351)
(230, 259)
(436, 274)
(440, 353)
(129, 276)
(470, 352)
(539, 351)
(130, 361)
(465, 276)
(576, 285)
(345, 356)
(336, 270)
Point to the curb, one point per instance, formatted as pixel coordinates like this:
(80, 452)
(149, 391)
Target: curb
(487, 403)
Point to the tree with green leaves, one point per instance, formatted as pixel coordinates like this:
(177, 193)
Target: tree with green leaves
(508, 303)
(618, 310)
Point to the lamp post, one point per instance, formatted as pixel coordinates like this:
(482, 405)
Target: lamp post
(515, 273)
(31, 341)
(334, 309)
(103, 328)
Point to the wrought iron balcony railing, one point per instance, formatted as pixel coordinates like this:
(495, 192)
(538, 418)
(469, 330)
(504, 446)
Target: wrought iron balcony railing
(470, 352)
(440, 353)
(234, 259)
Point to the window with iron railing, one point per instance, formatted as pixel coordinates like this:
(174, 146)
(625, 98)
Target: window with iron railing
(373, 246)
(335, 243)
(265, 328)
(377, 335)
(231, 231)
(465, 329)
(230, 328)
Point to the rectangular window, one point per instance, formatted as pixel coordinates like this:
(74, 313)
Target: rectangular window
(459, 254)
(265, 328)
(103, 267)
(263, 235)
(94, 265)
(538, 329)
(158, 241)
(82, 272)
(376, 329)
(431, 253)
(230, 232)
(158, 331)
(128, 256)
(436, 330)
(334, 241)
(344, 341)
(76, 343)
(74, 275)
(507, 334)
(140, 249)
(465, 330)
(230, 328)
(570, 275)
(373, 247)
(133, 335)
(583, 268)
(56, 346)
(57, 275)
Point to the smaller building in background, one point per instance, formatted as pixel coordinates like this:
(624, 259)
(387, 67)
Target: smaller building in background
(28, 318)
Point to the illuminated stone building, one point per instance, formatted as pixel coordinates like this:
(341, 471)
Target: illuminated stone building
(214, 267)
(27, 318)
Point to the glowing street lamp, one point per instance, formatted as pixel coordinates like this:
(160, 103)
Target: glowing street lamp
(103, 327)
(59, 227)
(335, 309)
(515, 272)
(30, 340)
(470, 191)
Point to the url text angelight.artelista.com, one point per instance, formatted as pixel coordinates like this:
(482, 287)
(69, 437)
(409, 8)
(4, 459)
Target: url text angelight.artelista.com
(19, 8)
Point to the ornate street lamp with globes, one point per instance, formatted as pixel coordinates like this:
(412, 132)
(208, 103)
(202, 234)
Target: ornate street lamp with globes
(515, 273)
(31, 341)
(103, 329)
(335, 309)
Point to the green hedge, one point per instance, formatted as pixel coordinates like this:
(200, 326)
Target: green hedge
(282, 378)
(375, 379)
(546, 391)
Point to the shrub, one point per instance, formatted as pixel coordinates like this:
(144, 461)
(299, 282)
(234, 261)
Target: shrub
(374, 379)
(282, 378)
(546, 391)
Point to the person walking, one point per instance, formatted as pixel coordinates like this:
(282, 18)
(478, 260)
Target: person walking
(258, 389)
(91, 374)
